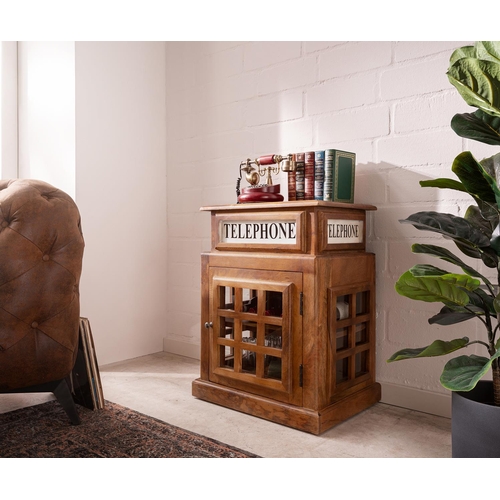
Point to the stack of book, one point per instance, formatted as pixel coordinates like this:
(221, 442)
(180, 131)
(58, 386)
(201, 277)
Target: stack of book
(85, 378)
(326, 175)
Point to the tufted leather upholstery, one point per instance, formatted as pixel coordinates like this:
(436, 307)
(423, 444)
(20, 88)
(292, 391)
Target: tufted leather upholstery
(41, 251)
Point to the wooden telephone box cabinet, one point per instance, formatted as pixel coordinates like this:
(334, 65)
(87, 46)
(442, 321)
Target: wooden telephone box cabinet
(288, 313)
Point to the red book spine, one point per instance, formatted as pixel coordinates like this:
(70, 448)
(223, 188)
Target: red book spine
(309, 175)
(292, 186)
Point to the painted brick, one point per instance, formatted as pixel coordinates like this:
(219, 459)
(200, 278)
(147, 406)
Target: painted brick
(427, 112)
(403, 185)
(364, 151)
(353, 58)
(412, 50)
(440, 146)
(233, 143)
(184, 201)
(288, 76)
(387, 226)
(184, 250)
(185, 275)
(420, 77)
(288, 137)
(232, 89)
(223, 118)
(360, 124)
(274, 108)
(343, 93)
(263, 54)
(309, 47)
(220, 65)
(370, 188)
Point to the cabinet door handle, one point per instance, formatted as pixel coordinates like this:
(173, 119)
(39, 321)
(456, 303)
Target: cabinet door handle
(208, 324)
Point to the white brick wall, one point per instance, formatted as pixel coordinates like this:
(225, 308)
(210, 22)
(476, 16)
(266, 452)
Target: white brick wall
(390, 102)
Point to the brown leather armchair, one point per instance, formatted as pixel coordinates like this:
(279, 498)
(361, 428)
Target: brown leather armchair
(41, 251)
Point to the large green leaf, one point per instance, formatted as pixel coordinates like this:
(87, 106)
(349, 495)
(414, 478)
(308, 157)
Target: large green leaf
(444, 183)
(478, 126)
(469, 239)
(427, 270)
(451, 316)
(431, 289)
(488, 51)
(460, 280)
(475, 217)
(481, 302)
(461, 53)
(450, 226)
(464, 372)
(437, 348)
(478, 82)
(491, 166)
(475, 179)
(447, 256)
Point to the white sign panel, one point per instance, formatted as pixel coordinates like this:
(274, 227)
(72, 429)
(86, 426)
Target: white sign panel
(268, 232)
(344, 231)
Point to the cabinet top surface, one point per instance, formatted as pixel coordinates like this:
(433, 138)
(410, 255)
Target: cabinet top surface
(284, 205)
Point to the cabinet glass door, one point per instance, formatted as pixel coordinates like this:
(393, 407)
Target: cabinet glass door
(352, 337)
(256, 334)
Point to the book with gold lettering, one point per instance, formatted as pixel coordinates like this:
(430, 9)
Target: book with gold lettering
(344, 166)
(328, 183)
(292, 186)
(319, 174)
(309, 175)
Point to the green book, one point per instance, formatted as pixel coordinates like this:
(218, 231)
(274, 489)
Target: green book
(344, 166)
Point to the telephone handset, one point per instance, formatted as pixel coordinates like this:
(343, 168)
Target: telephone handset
(254, 169)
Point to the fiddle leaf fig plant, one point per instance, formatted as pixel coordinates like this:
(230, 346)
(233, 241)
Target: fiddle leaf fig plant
(465, 293)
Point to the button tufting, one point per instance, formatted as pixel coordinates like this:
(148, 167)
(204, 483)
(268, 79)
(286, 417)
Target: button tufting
(34, 324)
(45, 258)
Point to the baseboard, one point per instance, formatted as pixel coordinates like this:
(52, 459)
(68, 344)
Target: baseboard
(181, 348)
(416, 399)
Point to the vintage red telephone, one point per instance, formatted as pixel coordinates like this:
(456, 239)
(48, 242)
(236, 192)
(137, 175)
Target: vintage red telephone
(264, 165)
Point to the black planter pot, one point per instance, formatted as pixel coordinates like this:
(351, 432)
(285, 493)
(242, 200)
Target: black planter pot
(475, 423)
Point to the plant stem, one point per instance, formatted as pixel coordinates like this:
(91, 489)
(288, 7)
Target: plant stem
(479, 342)
(496, 382)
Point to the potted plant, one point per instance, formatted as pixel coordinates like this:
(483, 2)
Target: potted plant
(467, 294)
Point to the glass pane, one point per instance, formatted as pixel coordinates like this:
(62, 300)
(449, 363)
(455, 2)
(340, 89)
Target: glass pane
(249, 331)
(273, 336)
(361, 333)
(342, 370)
(248, 361)
(226, 297)
(226, 357)
(343, 309)
(342, 339)
(249, 298)
(361, 303)
(361, 362)
(272, 367)
(226, 328)
(274, 304)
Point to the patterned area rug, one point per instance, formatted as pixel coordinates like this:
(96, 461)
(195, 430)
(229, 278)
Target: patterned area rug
(44, 431)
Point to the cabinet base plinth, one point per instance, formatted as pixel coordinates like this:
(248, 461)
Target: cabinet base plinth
(303, 419)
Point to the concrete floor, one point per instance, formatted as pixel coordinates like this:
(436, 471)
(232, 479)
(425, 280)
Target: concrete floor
(160, 385)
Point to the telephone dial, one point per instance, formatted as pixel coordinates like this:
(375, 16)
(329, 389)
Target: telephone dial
(254, 169)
